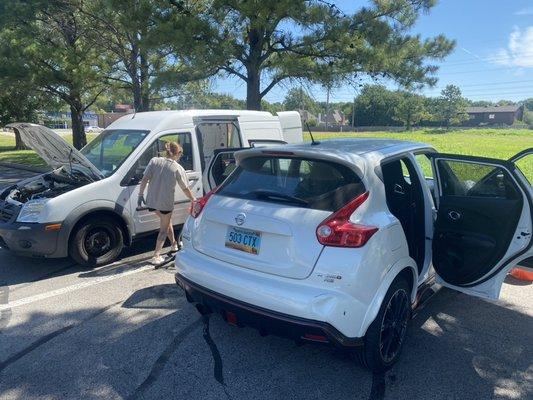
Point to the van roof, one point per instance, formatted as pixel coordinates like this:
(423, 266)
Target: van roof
(162, 120)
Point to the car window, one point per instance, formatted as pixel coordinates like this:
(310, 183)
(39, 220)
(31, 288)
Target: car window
(461, 178)
(109, 149)
(525, 165)
(157, 149)
(425, 165)
(300, 182)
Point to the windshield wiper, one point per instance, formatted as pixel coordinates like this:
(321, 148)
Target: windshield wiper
(270, 194)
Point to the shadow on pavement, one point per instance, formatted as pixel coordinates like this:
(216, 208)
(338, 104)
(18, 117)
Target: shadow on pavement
(152, 346)
(16, 269)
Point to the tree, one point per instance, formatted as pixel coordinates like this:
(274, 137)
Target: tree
(297, 99)
(49, 43)
(375, 106)
(18, 103)
(264, 43)
(528, 104)
(410, 109)
(136, 36)
(452, 106)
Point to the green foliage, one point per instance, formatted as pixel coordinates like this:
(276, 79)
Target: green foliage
(410, 109)
(375, 105)
(52, 45)
(528, 104)
(267, 42)
(298, 99)
(452, 106)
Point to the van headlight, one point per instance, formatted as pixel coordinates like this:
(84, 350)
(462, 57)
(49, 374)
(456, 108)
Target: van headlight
(31, 210)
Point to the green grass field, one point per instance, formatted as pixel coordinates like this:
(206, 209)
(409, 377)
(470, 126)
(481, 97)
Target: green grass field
(495, 143)
(25, 157)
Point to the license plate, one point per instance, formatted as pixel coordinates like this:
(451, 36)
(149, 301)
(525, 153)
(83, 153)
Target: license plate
(243, 239)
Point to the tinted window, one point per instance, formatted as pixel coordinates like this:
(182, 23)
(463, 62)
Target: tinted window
(459, 178)
(300, 182)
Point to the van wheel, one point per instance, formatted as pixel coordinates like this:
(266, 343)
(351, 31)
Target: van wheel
(385, 336)
(97, 241)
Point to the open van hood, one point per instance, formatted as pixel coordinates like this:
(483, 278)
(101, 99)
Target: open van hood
(51, 147)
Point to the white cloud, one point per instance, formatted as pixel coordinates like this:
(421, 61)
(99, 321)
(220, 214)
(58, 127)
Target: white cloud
(525, 11)
(519, 50)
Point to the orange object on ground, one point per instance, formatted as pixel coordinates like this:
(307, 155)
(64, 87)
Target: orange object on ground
(522, 274)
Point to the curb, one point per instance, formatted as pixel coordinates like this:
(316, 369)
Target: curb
(24, 167)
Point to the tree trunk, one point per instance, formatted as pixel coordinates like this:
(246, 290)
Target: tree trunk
(137, 102)
(253, 90)
(145, 84)
(79, 139)
(19, 144)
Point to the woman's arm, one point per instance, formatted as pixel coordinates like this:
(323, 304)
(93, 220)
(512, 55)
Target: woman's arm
(142, 186)
(189, 194)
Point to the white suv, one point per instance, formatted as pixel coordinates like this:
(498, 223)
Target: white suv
(337, 241)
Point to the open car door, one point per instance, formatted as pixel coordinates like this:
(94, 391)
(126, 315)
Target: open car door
(220, 166)
(484, 222)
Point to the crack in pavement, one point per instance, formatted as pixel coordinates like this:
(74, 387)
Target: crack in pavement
(17, 356)
(377, 392)
(217, 358)
(160, 363)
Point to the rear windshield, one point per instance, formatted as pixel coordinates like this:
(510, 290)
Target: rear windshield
(315, 184)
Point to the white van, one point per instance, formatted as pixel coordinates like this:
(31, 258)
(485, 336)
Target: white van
(86, 207)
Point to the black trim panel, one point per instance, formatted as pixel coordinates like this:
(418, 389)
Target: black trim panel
(266, 321)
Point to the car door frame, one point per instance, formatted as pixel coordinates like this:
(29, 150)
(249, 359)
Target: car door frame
(489, 285)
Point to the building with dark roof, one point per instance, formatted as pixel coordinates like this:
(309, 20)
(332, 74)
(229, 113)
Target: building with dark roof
(494, 115)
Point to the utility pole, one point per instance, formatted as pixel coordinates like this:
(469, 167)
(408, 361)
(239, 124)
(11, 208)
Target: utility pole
(327, 107)
(353, 114)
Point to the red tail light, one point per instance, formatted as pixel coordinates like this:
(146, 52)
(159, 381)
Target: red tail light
(198, 205)
(338, 231)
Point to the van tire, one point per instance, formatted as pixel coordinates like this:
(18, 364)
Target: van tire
(96, 241)
(389, 327)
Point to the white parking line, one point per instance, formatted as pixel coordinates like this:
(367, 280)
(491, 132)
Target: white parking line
(67, 289)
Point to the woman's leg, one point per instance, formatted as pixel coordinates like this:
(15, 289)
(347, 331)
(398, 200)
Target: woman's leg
(170, 233)
(163, 232)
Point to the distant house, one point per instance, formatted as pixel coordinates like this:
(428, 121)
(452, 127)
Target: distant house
(306, 116)
(124, 108)
(494, 115)
(333, 118)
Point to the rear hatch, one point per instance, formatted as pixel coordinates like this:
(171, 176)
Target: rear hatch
(264, 216)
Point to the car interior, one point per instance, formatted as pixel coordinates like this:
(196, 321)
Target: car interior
(479, 209)
(405, 200)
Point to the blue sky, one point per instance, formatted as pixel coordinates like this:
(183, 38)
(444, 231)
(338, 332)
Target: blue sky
(493, 58)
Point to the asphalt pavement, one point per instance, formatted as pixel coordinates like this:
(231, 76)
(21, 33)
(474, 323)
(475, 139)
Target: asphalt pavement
(126, 331)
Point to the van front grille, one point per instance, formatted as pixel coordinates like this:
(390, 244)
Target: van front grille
(8, 212)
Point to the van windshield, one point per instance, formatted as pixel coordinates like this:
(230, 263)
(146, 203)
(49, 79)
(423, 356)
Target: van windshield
(300, 182)
(109, 149)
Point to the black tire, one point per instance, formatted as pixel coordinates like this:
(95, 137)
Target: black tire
(385, 336)
(96, 241)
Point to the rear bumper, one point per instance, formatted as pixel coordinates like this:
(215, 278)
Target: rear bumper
(266, 321)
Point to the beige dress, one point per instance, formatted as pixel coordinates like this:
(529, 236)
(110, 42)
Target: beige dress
(163, 174)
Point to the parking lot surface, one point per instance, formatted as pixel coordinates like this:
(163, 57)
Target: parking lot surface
(126, 331)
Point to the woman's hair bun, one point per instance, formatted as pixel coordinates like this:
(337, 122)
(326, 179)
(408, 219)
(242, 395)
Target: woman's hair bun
(173, 149)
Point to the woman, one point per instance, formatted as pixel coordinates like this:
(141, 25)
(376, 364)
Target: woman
(161, 175)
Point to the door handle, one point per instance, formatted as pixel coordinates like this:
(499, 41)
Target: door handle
(398, 189)
(454, 215)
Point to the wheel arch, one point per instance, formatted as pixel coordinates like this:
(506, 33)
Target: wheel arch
(95, 209)
(404, 268)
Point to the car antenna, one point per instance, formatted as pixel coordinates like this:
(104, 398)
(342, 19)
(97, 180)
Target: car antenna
(313, 141)
(134, 113)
